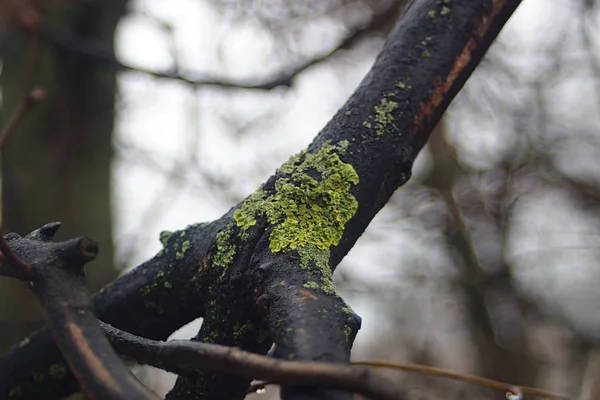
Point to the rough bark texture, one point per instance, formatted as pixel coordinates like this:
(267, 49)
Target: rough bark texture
(262, 272)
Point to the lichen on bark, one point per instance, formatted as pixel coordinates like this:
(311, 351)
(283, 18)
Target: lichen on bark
(311, 203)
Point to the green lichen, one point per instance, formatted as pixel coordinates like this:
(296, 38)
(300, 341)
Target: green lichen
(184, 247)
(168, 285)
(317, 261)
(311, 285)
(211, 337)
(323, 313)
(426, 42)
(347, 333)
(431, 14)
(445, 11)
(240, 330)
(57, 371)
(348, 310)
(306, 209)
(24, 342)
(383, 118)
(225, 248)
(164, 237)
(145, 290)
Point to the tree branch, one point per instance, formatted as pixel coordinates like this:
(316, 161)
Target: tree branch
(57, 279)
(180, 355)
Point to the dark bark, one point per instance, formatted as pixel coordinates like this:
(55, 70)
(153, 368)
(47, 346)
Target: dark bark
(262, 272)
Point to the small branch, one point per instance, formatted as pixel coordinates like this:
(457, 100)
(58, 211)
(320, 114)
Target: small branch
(485, 382)
(31, 99)
(177, 355)
(427, 370)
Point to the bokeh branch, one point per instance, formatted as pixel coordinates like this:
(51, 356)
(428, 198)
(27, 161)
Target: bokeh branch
(102, 54)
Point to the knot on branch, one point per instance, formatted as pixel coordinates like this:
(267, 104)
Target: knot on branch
(37, 254)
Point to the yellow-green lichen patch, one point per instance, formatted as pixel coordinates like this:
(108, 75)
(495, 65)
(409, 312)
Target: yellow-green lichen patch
(184, 247)
(145, 290)
(225, 248)
(348, 310)
(311, 206)
(151, 290)
(426, 42)
(311, 285)
(240, 330)
(317, 261)
(57, 371)
(382, 118)
(165, 236)
(347, 333)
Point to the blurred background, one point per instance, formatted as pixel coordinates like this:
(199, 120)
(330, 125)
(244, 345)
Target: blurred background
(165, 113)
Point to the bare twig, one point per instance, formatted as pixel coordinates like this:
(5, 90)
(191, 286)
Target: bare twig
(32, 98)
(179, 355)
(489, 383)
(427, 370)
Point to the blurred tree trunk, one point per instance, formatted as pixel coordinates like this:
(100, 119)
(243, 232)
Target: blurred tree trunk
(57, 165)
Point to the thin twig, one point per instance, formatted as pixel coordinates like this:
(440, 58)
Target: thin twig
(180, 355)
(489, 383)
(34, 97)
(428, 370)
